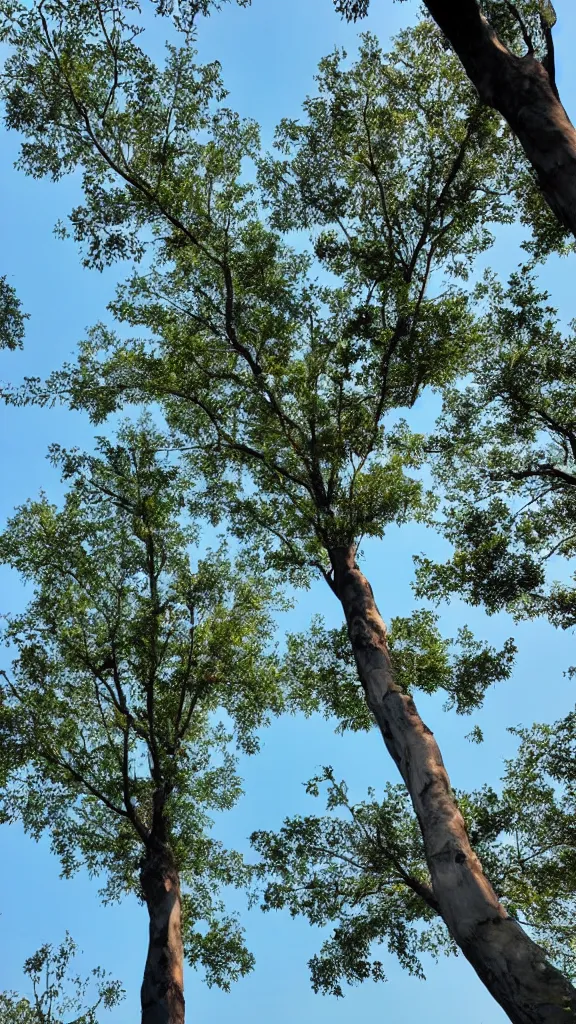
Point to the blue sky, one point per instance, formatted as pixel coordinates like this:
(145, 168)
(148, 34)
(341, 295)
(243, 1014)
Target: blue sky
(268, 55)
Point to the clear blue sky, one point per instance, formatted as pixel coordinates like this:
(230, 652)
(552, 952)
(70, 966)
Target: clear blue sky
(269, 54)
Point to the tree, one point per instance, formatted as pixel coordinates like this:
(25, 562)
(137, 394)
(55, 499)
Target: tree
(506, 451)
(489, 38)
(362, 867)
(123, 658)
(56, 994)
(290, 391)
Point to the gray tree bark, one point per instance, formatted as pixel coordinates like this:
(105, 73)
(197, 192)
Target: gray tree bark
(162, 993)
(513, 968)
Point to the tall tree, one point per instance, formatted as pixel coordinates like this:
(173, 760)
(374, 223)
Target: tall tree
(123, 658)
(507, 51)
(57, 994)
(261, 369)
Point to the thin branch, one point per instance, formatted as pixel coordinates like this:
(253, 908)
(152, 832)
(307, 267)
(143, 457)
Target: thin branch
(373, 167)
(549, 61)
(64, 765)
(126, 795)
(543, 471)
(525, 33)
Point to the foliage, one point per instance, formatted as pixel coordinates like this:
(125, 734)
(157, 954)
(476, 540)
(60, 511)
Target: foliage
(322, 675)
(361, 868)
(526, 29)
(353, 10)
(523, 26)
(12, 319)
(185, 12)
(519, 25)
(313, 375)
(464, 668)
(363, 871)
(127, 653)
(56, 993)
(538, 862)
(506, 455)
(287, 376)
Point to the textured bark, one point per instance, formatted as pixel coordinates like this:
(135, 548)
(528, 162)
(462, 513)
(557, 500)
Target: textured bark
(521, 89)
(163, 986)
(513, 968)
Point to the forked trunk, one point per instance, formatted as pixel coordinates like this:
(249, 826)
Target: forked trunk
(513, 968)
(523, 91)
(163, 986)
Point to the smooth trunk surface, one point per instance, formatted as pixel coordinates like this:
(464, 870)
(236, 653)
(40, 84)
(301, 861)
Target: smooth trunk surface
(513, 968)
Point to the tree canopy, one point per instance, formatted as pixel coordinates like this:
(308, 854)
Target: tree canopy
(56, 993)
(361, 868)
(506, 446)
(507, 51)
(129, 650)
(288, 374)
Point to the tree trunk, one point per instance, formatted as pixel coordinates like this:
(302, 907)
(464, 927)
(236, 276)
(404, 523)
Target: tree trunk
(521, 89)
(513, 968)
(162, 992)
